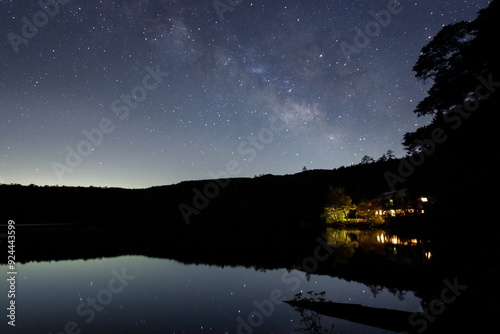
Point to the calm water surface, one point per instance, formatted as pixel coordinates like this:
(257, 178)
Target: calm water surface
(139, 294)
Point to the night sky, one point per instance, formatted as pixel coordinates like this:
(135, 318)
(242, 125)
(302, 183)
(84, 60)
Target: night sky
(141, 93)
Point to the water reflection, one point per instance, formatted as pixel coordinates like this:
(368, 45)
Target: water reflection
(405, 250)
(312, 306)
(216, 283)
(311, 320)
(137, 294)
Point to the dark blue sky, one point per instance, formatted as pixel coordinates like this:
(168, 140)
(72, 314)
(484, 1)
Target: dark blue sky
(142, 93)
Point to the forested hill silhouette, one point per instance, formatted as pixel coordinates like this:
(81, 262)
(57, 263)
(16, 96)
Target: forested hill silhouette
(453, 160)
(288, 199)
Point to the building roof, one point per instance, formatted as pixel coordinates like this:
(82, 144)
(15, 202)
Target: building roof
(392, 195)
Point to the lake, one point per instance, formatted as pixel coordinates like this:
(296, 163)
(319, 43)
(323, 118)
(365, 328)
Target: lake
(81, 291)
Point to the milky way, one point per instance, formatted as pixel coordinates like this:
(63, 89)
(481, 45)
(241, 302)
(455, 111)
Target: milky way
(143, 93)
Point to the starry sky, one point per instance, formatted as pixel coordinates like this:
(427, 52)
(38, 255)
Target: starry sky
(141, 93)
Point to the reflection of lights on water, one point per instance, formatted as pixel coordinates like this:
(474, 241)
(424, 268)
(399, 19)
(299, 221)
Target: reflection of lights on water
(383, 239)
(394, 240)
(380, 238)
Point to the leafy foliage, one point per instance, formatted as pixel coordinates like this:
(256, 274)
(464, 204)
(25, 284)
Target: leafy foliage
(453, 60)
(338, 205)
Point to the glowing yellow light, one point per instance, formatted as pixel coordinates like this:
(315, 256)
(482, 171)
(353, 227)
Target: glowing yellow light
(381, 238)
(424, 199)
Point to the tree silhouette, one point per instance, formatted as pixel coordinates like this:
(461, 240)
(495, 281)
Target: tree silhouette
(387, 156)
(338, 205)
(454, 60)
(390, 155)
(367, 160)
(311, 319)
